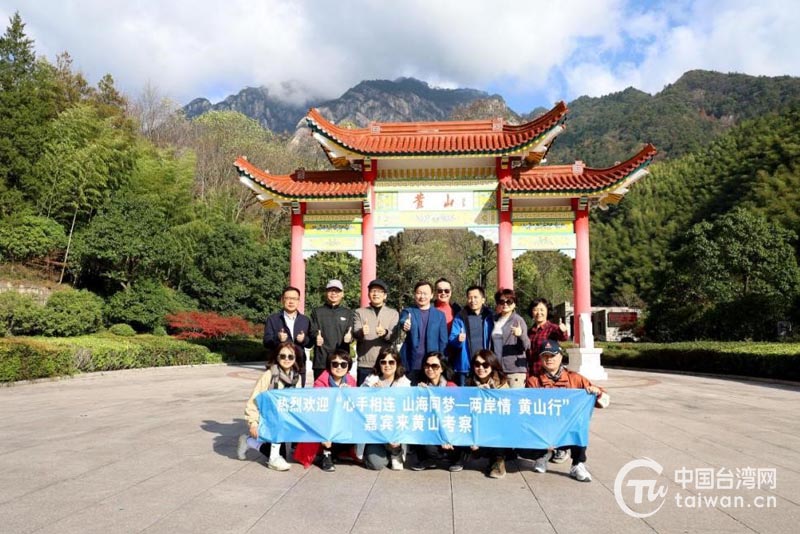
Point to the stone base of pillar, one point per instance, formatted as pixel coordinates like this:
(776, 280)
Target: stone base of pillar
(587, 363)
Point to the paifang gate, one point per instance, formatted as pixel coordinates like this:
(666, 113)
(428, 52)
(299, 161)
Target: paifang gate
(486, 176)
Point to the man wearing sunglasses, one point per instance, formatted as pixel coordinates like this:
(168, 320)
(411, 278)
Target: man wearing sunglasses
(443, 293)
(374, 328)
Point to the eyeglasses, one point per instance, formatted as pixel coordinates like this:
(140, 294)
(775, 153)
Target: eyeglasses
(443, 290)
(341, 365)
(484, 365)
(433, 366)
(505, 302)
(390, 363)
(285, 356)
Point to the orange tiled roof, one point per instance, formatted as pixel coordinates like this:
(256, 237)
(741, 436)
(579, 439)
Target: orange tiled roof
(575, 178)
(306, 184)
(484, 137)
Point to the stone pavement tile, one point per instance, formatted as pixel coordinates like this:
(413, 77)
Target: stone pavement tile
(141, 505)
(235, 504)
(482, 504)
(415, 501)
(320, 502)
(38, 509)
(26, 471)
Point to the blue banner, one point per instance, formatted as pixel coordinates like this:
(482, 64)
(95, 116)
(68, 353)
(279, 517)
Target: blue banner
(521, 418)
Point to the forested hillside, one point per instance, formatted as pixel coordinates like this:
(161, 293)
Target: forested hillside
(126, 199)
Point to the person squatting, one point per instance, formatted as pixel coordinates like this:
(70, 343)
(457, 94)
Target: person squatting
(433, 343)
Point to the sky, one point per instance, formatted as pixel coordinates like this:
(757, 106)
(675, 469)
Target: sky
(531, 52)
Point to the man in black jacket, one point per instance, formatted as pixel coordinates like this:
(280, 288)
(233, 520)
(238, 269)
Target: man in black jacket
(289, 325)
(331, 326)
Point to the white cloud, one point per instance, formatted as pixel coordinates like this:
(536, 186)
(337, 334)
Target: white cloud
(520, 48)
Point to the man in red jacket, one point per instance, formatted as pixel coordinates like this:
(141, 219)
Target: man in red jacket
(553, 374)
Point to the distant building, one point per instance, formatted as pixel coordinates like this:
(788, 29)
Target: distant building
(609, 323)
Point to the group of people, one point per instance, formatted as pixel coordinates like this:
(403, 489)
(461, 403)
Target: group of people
(440, 345)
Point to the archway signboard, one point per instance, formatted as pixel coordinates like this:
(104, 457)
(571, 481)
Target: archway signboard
(485, 176)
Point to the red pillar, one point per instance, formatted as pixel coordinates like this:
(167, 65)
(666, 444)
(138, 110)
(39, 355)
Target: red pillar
(297, 265)
(581, 282)
(505, 261)
(369, 254)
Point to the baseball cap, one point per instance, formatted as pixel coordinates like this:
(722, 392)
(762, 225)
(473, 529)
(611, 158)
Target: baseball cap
(379, 283)
(550, 346)
(335, 284)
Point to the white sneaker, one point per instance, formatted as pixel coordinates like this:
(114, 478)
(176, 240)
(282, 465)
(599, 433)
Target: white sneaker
(241, 447)
(540, 465)
(580, 473)
(278, 464)
(396, 464)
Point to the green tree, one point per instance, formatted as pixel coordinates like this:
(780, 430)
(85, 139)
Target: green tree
(731, 279)
(72, 313)
(233, 273)
(28, 236)
(145, 304)
(85, 158)
(27, 104)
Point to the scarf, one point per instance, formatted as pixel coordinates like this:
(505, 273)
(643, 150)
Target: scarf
(281, 379)
(557, 375)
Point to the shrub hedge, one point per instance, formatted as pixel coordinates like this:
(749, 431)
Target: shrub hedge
(760, 360)
(122, 329)
(26, 358)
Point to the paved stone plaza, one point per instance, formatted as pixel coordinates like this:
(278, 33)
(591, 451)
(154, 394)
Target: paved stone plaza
(154, 451)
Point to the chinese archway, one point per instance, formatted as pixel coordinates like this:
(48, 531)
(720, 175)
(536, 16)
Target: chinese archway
(482, 175)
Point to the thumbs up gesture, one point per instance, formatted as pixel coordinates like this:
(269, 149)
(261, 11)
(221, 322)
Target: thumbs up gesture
(380, 331)
(301, 336)
(348, 336)
(320, 340)
(516, 330)
(462, 337)
(407, 323)
(365, 329)
(561, 324)
(282, 335)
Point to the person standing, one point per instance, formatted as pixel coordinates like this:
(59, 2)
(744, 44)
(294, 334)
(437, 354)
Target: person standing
(471, 332)
(443, 301)
(542, 330)
(425, 329)
(509, 342)
(374, 328)
(288, 325)
(331, 326)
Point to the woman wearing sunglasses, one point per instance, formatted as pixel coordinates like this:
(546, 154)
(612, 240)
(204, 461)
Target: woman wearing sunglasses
(486, 372)
(285, 373)
(387, 373)
(436, 374)
(335, 375)
(510, 341)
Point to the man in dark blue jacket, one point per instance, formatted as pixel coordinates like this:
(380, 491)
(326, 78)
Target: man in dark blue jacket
(471, 332)
(289, 325)
(425, 328)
